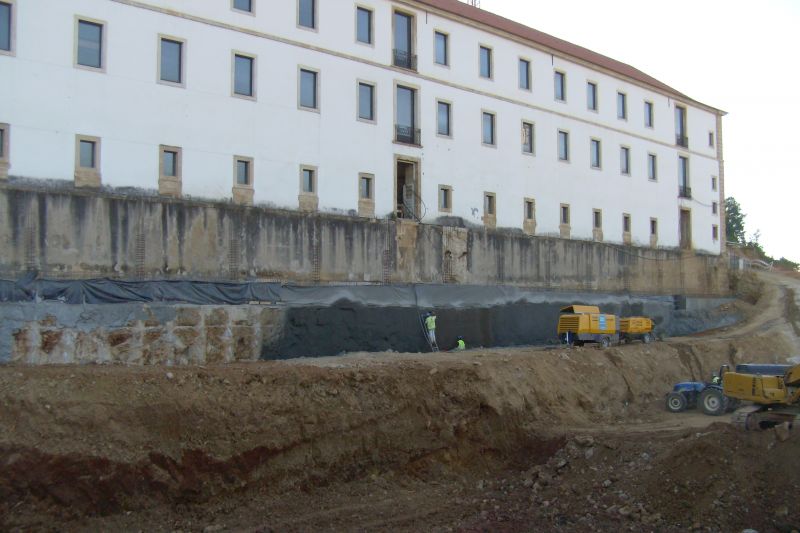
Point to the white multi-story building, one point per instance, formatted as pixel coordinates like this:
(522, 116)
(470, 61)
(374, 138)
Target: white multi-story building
(412, 108)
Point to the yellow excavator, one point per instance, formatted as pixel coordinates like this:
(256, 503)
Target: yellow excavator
(775, 398)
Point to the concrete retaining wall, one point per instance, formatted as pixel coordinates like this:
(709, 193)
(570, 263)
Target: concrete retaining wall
(63, 232)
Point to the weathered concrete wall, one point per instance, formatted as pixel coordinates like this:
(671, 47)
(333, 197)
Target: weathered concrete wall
(62, 232)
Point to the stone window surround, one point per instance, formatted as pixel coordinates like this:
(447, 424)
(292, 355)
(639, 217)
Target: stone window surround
(252, 11)
(530, 74)
(103, 44)
(449, 189)
(597, 224)
(371, 10)
(532, 124)
(625, 149)
(85, 176)
(655, 166)
(624, 109)
(317, 87)
(596, 108)
(243, 192)
(558, 149)
(5, 157)
(529, 223)
(493, 114)
(359, 83)
(652, 114)
(315, 22)
(599, 142)
(490, 49)
(366, 206)
(563, 74)
(170, 185)
(449, 118)
(653, 232)
(489, 200)
(564, 227)
(161, 38)
(13, 33)
(308, 201)
(253, 75)
(626, 233)
(446, 48)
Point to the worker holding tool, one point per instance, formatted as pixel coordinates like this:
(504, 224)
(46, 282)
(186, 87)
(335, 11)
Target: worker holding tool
(430, 323)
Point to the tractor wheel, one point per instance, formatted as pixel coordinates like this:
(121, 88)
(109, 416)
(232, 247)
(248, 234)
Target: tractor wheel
(676, 402)
(647, 338)
(605, 342)
(713, 402)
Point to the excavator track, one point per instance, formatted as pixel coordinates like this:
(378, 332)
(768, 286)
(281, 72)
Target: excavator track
(758, 418)
(745, 419)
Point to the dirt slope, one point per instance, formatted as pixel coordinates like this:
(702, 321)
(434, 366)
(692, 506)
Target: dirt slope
(404, 442)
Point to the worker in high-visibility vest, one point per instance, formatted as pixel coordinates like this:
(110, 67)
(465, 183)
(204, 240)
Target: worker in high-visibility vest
(430, 324)
(460, 344)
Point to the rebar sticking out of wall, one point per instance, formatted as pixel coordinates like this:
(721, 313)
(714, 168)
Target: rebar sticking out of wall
(139, 252)
(234, 252)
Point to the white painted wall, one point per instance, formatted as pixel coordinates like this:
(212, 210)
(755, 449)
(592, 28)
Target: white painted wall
(47, 102)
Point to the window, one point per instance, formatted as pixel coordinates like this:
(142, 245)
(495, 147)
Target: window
(597, 219)
(308, 180)
(653, 227)
(243, 5)
(488, 129)
(711, 139)
(680, 127)
(622, 106)
(591, 96)
(715, 232)
(560, 80)
(7, 28)
(87, 151)
(4, 155)
(366, 101)
(445, 198)
(366, 189)
(625, 160)
(489, 204)
(170, 161)
(595, 153)
(170, 64)
(626, 223)
(404, 56)
(683, 171)
(443, 118)
(714, 208)
(652, 167)
(244, 75)
(563, 146)
(170, 169)
(406, 116)
(307, 14)
(527, 137)
(244, 171)
(90, 47)
(525, 74)
(87, 161)
(565, 214)
(530, 210)
(485, 62)
(363, 25)
(648, 114)
(308, 89)
(713, 183)
(441, 51)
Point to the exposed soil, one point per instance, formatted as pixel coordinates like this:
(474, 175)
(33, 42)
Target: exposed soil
(516, 439)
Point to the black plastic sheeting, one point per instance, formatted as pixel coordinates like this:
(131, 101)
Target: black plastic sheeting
(108, 291)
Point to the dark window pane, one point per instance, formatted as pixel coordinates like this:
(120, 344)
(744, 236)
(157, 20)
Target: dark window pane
(488, 128)
(444, 198)
(307, 14)
(365, 102)
(443, 126)
(622, 106)
(243, 77)
(308, 180)
(405, 107)
(524, 74)
(170, 163)
(171, 61)
(243, 172)
(366, 187)
(243, 5)
(308, 89)
(563, 145)
(486, 62)
(90, 38)
(559, 86)
(648, 114)
(2, 144)
(591, 96)
(402, 33)
(527, 138)
(441, 48)
(87, 154)
(5, 26)
(364, 30)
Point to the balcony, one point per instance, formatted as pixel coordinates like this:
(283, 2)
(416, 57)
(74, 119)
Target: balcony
(407, 135)
(682, 140)
(684, 192)
(405, 59)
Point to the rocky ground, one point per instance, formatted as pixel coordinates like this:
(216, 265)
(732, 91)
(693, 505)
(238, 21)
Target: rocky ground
(515, 439)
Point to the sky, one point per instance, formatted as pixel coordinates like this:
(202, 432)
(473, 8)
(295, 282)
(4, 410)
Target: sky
(739, 56)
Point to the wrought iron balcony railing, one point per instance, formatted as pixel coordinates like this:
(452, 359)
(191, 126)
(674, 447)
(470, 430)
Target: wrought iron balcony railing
(405, 59)
(682, 140)
(684, 192)
(406, 135)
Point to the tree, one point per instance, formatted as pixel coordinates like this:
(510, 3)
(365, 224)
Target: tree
(734, 220)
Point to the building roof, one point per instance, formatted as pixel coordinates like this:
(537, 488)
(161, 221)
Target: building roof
(466, 11)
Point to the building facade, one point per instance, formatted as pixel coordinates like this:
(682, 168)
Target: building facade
(410, 108)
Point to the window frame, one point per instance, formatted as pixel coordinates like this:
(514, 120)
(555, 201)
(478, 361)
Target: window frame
(529, 77)
(178, 151)
(565, 133)
(649, 114)
(250, 172)
(493, 115)
(371, 11)
(373, 103)
(253, 75)
(627, 221)
(653, 227)
(251, 11)
(448, 193)
(711, 140)
(597, 215)
(714, 181)
(317, 92)
(371, 178)
(449, 105)
(12, 30)
(714, 208)
(314, 180)
(161, 38)
(526, 202)
(596, 96)
(683, 180)
(562, 75)
(654, 158)
(490, 56)
(103, 44)
(416, 116)
(622, 112)
(5, 144)
(314, 16)
(489, 200)
(625, 169)
(714, 232)
(446, 36)
(594, 141)
(564, 215)
(532, 125)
